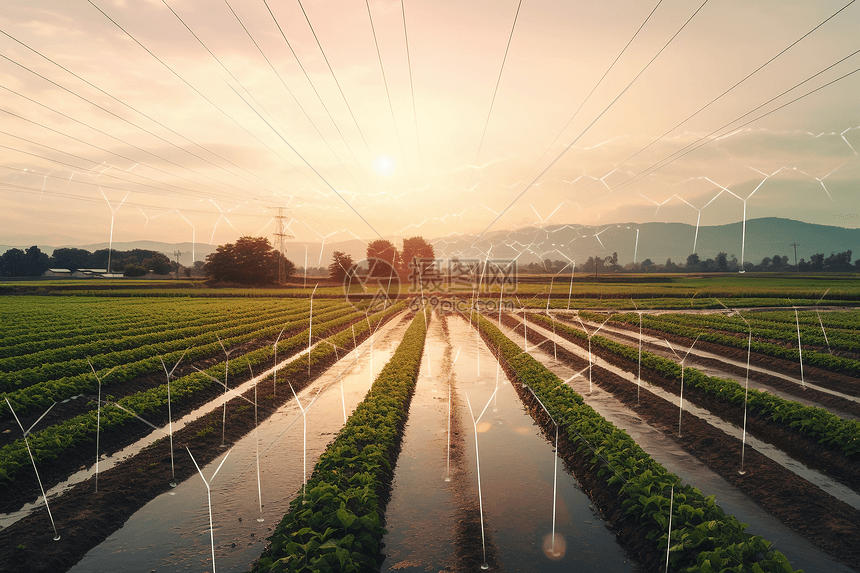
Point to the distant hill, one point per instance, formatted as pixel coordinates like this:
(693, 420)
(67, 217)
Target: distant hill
(765, 237)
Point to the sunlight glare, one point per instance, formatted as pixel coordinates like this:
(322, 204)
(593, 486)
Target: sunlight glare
(384, 166)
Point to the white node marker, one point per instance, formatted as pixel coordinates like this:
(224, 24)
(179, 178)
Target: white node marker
(209, 498)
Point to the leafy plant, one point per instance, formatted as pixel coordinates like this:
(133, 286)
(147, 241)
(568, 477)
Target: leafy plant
(335, 525)
(699, 525)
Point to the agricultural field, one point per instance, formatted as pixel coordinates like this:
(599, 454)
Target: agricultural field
(305, 433)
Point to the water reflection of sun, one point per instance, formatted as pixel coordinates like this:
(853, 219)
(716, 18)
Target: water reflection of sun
(554, 548)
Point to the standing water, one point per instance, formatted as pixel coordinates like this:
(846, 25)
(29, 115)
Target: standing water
(421, 512)
(172, 531)
(518, 472)
(800, 552)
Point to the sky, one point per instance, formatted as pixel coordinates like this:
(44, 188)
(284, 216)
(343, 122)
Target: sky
(205, 120)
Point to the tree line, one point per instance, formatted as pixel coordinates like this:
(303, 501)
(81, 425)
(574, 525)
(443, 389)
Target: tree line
(252, 260)
(723, 262)
(33, 262)
(383, 250)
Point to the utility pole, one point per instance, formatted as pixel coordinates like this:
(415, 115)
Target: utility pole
(176, 254)
(795, 245)
(281, 235)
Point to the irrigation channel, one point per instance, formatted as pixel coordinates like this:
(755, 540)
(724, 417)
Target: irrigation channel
(800, 552)
(435, 525)
(171, 533)
(821, 480)
(779, 383)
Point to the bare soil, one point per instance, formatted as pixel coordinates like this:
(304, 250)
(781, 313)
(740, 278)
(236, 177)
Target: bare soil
(25, 488)
(819, 376)
(84, 518)
(468, 550)
(739, 373)
(828, 523)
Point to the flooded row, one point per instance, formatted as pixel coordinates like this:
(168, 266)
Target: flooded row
(523, 493)
(171, 533)
(800, 552)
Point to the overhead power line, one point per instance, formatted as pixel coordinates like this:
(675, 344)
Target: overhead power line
(597, 85)
(498, 81)
(412, 90)
(385, 81)
(292, 95)
(333, 75)
(571, 144)
(73, 138)
(724, 93)
(134, 109)
(241, 85)
(705, 139)
(316, 92)
(86, 170)
(336, 192)
(187, 83)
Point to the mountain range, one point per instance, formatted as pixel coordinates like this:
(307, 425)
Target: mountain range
(765, 237)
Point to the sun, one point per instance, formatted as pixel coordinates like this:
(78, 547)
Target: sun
(383, 165)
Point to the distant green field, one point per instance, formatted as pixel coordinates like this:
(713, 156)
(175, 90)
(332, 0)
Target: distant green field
(673, 291)
(838, 287)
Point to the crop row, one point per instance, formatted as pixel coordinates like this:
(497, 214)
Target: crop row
(66, 316)
(148, 359)
(560, 301)
(112, 341)
(845, 320)
(49, 443)
(334, 523)
(723, 287)
(61, 367)
(200, 292)
(703, 538)
(37, 365)
(823, 360)
(83, 324)
(829, 429)
(811, 333)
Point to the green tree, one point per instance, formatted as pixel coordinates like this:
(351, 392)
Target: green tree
(416, 247)
(340, 265)
(70, 258)
(158, 263)
(13, 263)
(839, 262)
(384, 251)
(17, 263)
(37, 261)
(251, 260)
(612, 262)
(134, 270)
(693, 262)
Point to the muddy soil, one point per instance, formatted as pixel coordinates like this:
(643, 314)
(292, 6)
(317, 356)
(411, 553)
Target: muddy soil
(828, 401)
(25, 488)
(461, 546)
(826, 459)
(467, 526)
(85, 519)
(824, 378)
(826, 522)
